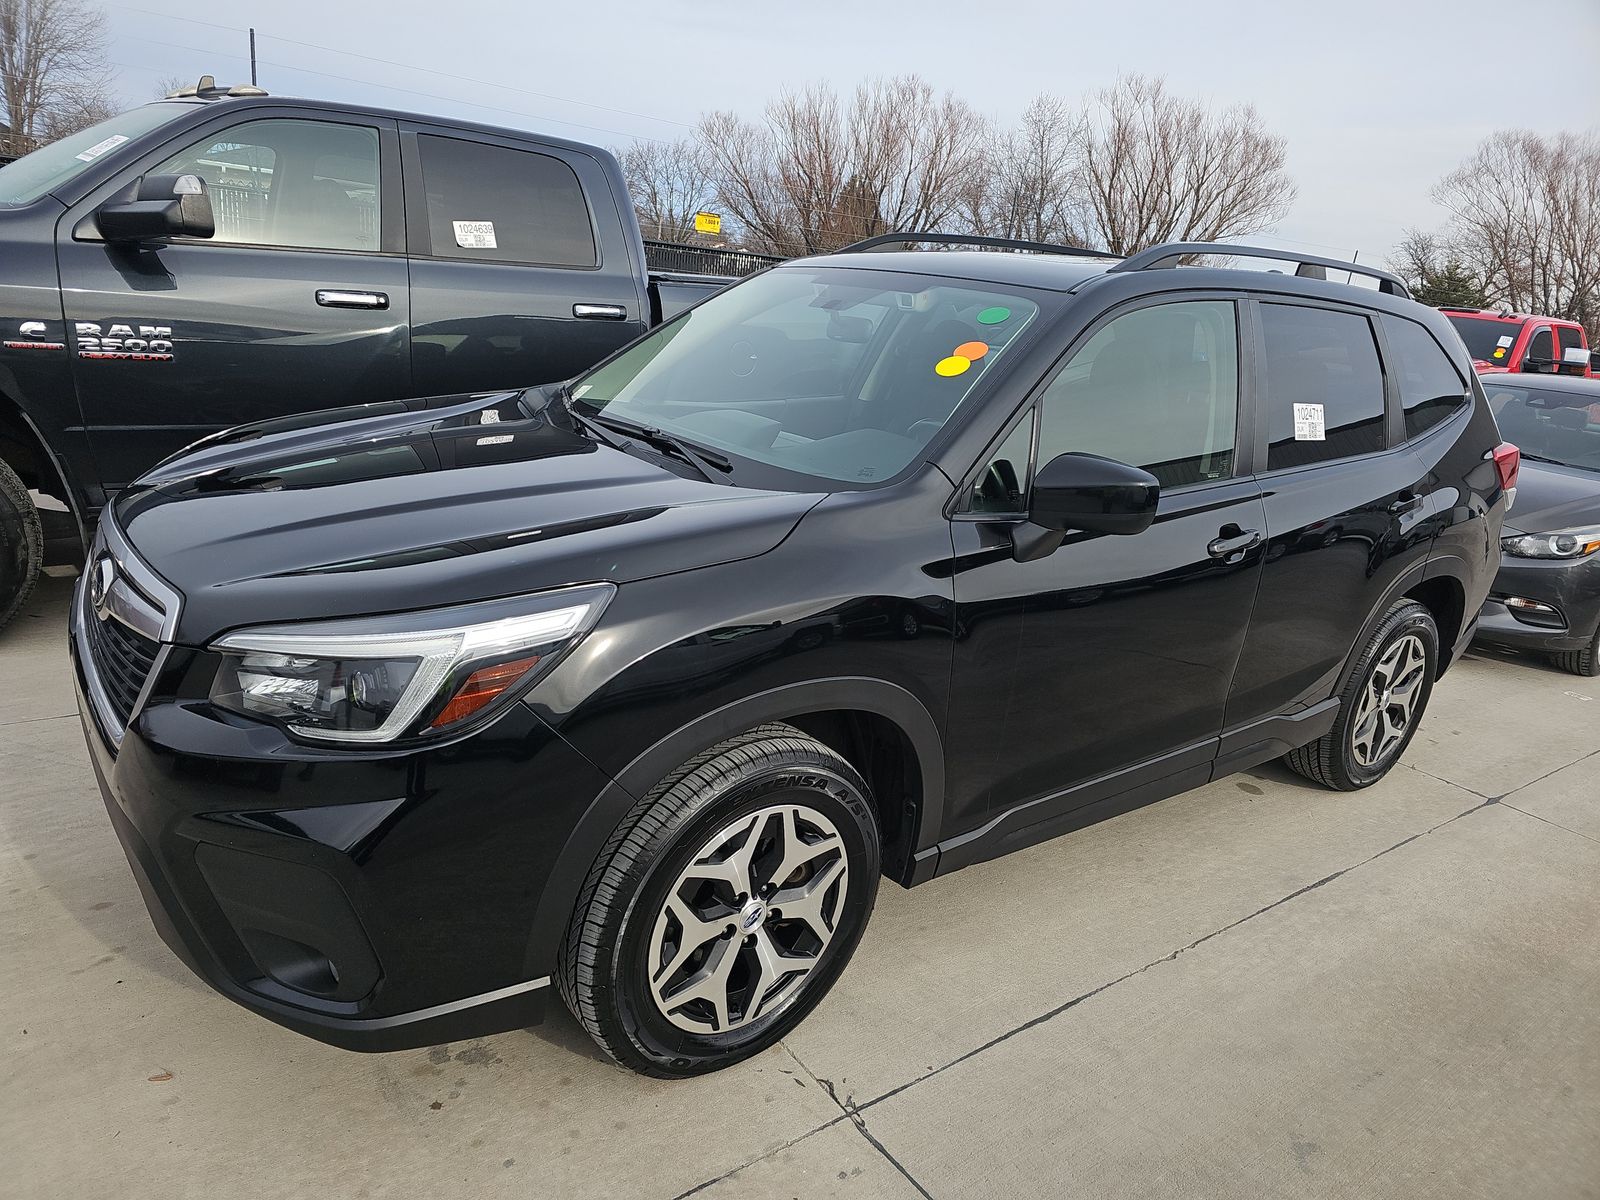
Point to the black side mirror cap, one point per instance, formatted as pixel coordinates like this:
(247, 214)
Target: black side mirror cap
(1093, 494)
(163, 206)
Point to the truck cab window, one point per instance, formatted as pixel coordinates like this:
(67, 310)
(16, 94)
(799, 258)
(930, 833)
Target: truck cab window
(494, 204)
(304, 184)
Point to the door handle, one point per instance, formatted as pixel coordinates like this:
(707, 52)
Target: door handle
(1229, 544)
(600, 312)
(333, 298)
(1405, 502)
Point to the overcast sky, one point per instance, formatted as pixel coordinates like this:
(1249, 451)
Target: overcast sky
(1378, 98)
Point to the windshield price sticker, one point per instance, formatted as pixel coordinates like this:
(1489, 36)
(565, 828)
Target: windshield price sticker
(1504, 343)
(475, 235)
(99, 148)
(1308, 425)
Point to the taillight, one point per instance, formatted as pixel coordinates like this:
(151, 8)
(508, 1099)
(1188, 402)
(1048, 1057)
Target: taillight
(1507, 463)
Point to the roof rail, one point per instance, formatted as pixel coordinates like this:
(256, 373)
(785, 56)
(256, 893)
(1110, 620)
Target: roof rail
(972, 239)
(207, 89)
(1309, 266)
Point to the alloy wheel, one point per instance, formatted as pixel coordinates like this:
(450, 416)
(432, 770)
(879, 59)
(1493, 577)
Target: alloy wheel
(1389, 701)
(748, 919)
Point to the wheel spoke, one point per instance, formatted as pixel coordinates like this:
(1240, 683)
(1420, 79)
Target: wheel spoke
(797, 853)
(734, 869)
(804, 902)
(709, 984)
(694, 934)
(772, 965)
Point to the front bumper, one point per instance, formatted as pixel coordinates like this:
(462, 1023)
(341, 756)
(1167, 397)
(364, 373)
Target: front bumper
(373, 901)
(1569, 590)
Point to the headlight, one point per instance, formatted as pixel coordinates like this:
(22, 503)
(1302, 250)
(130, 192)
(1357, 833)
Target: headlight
(1564, 543)
(409, 675)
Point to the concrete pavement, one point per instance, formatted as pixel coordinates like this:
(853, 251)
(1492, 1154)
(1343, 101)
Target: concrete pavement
(1260, 988)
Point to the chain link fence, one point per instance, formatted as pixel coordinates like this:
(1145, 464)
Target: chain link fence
(704, 260)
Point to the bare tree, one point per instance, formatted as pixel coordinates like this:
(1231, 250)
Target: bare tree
(669, 184)
(1027, 191)
(1152, 167)
(52, 69)
(1525, 216)
(815, 173)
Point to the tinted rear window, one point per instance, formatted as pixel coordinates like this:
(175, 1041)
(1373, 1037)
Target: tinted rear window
(1324, 385)
(496, 204)
(1430, 387)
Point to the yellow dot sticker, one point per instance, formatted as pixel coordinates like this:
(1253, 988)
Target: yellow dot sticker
(956, 364)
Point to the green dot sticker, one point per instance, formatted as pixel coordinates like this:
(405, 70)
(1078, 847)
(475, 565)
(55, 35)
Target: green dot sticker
(994, 316)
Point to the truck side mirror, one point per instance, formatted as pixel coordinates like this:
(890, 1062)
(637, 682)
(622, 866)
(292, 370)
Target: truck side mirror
(163, 206)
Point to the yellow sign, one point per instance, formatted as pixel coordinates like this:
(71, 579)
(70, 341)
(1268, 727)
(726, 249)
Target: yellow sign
(705, 222)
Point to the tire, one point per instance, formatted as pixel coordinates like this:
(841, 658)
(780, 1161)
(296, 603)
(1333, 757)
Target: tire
(674, 859)
(1356, 753)
(1585, 662)
(21, 545)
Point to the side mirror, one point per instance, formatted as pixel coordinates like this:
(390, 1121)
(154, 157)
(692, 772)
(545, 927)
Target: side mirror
(163, 206)
(1098, 495)
(1540, 366)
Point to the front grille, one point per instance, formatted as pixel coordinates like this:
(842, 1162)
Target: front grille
(122, 662)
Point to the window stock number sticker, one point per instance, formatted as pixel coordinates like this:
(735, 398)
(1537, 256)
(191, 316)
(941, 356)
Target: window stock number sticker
(1308, 426)
(475, 235)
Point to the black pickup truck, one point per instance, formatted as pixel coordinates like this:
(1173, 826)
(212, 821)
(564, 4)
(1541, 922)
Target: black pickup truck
(225, 257)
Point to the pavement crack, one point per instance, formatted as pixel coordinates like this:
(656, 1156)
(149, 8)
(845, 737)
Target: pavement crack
(36, 720)
(1057, 1011)
(1548, 821)
(850, 1109)
(778, 1149)
(1553, 771)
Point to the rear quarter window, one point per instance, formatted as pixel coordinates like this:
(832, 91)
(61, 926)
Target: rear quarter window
(1430, 386)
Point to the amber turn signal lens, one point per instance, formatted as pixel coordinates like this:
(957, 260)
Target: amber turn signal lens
(482, 686)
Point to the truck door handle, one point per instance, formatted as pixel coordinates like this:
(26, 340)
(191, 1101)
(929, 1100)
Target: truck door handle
(332, 298)
(1405, 502)
(1233, 540)
(600, 312)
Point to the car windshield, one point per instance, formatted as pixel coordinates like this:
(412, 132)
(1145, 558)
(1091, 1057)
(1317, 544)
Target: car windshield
(1549, 425)
(1487, 339)
(837, 373)
(59, 163)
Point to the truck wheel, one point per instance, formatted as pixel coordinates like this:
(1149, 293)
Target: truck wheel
(21, 545)
(1584, 662)
(1381, 705)
(725, 905)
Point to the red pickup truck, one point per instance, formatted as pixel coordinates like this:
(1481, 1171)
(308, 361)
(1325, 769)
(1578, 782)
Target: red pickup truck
(1501, 341)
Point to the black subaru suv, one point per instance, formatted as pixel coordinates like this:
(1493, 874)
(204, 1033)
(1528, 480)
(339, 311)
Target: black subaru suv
(877, 564)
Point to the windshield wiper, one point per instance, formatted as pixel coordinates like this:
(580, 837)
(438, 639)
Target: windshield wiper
(607, 427)
(698, 457)
(1542, 458)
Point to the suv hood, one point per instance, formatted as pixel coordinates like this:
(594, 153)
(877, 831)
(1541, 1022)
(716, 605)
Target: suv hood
(423, 504)
(1552, 497)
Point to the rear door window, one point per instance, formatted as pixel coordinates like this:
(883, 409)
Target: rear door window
(495, 204)
(1430, 386)
(1324, 385)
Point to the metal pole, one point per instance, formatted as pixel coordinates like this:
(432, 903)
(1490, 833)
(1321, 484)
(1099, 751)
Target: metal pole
(252, 57)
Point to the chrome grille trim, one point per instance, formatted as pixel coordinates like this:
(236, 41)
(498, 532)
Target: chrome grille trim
(137, 599)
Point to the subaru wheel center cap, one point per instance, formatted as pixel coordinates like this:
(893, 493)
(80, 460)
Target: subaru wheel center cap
(751, 915)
